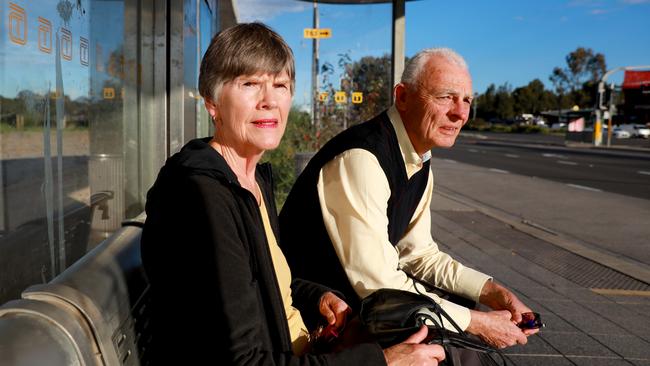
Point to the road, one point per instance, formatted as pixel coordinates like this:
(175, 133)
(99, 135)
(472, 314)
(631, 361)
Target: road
(624, 173)
(604, 207)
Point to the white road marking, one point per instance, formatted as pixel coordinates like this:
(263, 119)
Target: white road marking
(549, 155)
(566, 162)
(643, 172)
(472, 150)
(512, 156)
(584, 187)
(449, 161)
(499, 171)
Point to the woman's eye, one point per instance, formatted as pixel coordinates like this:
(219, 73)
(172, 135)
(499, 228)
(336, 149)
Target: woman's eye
(250, 84)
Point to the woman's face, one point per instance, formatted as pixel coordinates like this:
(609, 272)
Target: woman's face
(251, 112)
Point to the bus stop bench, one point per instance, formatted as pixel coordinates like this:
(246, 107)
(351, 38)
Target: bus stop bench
(94, 313)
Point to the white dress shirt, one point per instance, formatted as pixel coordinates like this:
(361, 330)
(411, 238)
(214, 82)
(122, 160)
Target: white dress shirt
(353, 192)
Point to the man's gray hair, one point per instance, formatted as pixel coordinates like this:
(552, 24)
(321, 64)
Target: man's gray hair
(415, 65)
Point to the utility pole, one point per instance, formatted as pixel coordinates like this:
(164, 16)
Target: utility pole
(314, 72)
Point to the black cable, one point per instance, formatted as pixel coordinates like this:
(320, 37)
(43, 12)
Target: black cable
(462, 341)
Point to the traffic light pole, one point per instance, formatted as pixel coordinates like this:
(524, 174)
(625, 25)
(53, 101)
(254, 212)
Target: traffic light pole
(603, 106)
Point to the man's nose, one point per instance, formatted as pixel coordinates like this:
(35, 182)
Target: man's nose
(459, 110)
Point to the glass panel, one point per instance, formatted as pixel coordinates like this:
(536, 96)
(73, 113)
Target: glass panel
(206, 30)
(64, 70)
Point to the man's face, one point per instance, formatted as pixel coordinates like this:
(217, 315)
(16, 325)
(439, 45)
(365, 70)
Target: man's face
(437, 107)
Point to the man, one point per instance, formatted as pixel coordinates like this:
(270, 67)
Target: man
(358, 217)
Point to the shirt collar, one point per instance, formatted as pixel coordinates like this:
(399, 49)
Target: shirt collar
(409, 154)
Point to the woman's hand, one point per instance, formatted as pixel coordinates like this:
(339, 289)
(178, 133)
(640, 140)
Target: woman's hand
(334, 310)
(411, 352)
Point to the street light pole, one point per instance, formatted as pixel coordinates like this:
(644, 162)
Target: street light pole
(314, 72)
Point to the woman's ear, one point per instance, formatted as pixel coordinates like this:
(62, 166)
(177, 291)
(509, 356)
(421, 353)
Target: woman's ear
(211, 108)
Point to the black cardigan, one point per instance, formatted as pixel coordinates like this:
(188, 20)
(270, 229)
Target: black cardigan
(301, 216)
(215, 293)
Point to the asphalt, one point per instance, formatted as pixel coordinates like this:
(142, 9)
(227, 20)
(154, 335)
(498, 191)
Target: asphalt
(595, 303)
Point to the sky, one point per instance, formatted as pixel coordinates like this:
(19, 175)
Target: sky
(503, 41)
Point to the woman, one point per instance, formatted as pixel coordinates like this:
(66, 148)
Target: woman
(221, 287)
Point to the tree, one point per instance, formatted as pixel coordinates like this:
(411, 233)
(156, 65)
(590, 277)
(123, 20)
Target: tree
(504, 103)
(582, 73)
(532, 98)
(371, 76)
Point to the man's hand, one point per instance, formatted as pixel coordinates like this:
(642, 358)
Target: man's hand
(334, 309)
(411, 352)
(496, 328)
(498, 297)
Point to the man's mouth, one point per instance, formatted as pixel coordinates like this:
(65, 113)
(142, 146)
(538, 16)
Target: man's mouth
(266, 123)
(448, 130)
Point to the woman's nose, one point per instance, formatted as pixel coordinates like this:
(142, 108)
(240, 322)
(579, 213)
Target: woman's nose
(268, 99)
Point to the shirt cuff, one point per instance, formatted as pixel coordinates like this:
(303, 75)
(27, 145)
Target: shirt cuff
(460, 315)
(470, 283)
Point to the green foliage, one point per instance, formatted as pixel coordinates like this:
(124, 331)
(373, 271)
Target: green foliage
(478, 124)
(298, 137)
(527, 129)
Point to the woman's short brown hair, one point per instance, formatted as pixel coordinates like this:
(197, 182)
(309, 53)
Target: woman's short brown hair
(245, 49)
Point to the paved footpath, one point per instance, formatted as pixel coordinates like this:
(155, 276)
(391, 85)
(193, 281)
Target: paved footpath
(594, 315)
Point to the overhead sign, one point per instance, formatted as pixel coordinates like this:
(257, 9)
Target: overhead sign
(323, 96)
(340, 97)
(317, 33)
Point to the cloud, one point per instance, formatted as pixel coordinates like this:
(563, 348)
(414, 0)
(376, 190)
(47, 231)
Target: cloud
(519, 18)
(598, 11)
(264, 10)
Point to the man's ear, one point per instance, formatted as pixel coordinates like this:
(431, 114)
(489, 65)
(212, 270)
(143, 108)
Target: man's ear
(400, 92)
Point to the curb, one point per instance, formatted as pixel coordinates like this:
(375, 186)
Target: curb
(620, 152)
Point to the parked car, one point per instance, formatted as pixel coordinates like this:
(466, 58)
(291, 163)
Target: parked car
(637, 130)
(558, 126)
(618, 133)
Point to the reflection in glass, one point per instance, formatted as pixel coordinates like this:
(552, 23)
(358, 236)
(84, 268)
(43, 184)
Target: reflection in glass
(60, 134)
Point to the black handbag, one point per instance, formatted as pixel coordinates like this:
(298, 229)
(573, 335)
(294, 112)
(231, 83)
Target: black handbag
(390, 316)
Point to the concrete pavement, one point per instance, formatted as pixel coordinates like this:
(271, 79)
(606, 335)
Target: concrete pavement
(555, 252)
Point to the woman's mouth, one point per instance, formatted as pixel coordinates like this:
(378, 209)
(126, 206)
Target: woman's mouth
(266, 123)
